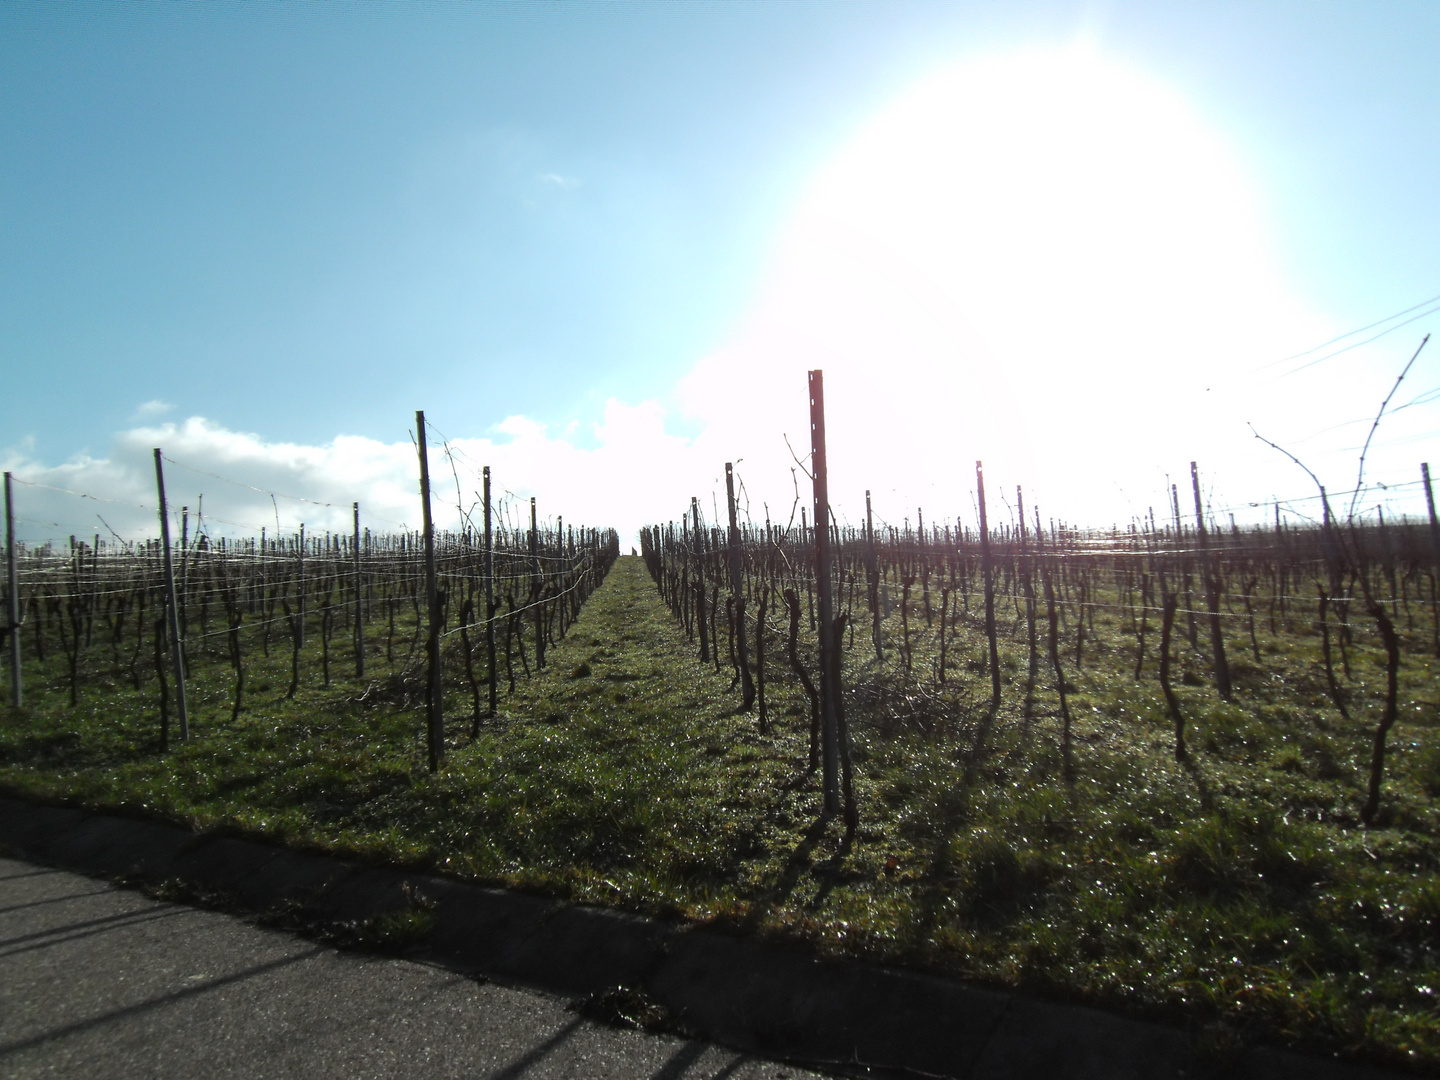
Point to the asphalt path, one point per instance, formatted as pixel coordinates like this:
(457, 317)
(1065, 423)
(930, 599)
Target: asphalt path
(102, 981)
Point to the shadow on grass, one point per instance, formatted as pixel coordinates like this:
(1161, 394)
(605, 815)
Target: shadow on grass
(935, 888)
(974, 756)
(1207, 798)
(795, 868)
(67, 749)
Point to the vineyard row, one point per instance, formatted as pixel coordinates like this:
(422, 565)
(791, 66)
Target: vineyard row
(1189, 597)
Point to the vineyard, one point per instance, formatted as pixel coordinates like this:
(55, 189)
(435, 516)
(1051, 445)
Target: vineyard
(947, 617)
(1185, 769)
(470, 607)
(1177, 764)
(302, 608)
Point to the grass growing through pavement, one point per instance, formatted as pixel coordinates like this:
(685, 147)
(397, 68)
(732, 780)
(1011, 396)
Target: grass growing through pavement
(1237, 893)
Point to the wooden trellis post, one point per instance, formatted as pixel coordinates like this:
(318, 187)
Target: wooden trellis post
(736, 553)
(359, 603)
(1429, 503)
(989, 570)
(172, 608)
(12, 614)
(434, 706)
(537, 587)
(1212, 590)
(490, 597)
(829, 667)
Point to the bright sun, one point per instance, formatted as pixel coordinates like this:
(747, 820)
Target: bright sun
(1042, 259)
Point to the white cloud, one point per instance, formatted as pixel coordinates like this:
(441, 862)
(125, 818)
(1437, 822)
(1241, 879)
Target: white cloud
(551, 179)
(150, 410)
(244, 483)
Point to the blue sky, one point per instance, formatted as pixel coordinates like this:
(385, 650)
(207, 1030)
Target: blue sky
(301, 222)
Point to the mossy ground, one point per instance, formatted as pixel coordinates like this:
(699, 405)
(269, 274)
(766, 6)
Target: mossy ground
(1236, 893)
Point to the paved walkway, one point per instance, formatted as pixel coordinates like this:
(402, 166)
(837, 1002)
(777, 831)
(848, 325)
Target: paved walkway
(103, 982)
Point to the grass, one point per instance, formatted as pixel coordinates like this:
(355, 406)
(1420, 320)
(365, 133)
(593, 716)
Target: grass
(1236, 893)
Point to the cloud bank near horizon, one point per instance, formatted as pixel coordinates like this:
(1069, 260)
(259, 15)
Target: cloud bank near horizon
(242, 483)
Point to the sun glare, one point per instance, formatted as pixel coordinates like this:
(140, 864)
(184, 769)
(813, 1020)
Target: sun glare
(1032, 258)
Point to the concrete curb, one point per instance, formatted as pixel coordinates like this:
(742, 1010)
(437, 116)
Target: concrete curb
(852, 1017)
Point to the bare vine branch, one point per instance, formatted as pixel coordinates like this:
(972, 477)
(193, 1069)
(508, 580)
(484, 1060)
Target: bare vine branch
(1360, 480)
